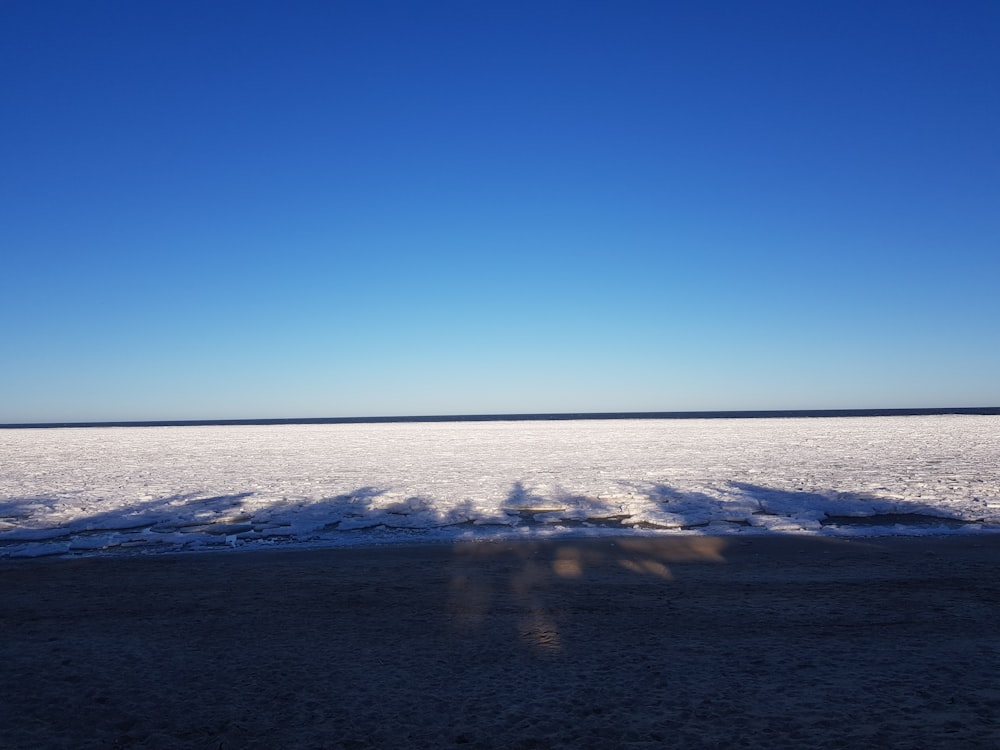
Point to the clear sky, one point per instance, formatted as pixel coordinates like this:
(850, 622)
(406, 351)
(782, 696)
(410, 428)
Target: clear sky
(316, 209)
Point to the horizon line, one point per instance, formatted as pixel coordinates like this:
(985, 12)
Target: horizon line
(525, 417)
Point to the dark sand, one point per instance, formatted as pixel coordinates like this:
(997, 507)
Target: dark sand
(632, 643)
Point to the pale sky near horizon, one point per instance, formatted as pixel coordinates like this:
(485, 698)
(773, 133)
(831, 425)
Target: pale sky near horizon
(222, 210)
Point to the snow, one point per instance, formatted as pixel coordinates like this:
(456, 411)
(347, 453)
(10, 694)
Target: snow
(131, 490)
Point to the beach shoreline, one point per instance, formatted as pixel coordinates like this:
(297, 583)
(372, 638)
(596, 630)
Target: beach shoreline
(631, 642)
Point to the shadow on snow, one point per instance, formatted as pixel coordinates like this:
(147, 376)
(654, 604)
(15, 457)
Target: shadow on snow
(33, 526)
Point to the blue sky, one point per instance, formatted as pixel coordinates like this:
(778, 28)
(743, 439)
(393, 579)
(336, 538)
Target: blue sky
(257, 209)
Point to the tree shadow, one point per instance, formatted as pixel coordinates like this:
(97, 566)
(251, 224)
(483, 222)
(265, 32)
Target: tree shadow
(171, 511)
(848, 509)
(176, 522)
(194, 521)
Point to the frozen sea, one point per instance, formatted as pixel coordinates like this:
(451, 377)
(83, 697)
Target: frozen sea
(142, 490)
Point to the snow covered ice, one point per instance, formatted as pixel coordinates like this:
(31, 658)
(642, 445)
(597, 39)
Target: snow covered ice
(151, 489)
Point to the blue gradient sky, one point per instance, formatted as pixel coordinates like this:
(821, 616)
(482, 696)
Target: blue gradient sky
(240, 209)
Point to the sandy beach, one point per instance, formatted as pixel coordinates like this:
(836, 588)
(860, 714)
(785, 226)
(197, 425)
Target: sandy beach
(691, 642)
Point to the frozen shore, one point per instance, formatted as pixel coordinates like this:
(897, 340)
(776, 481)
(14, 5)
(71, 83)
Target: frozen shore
(134, 490)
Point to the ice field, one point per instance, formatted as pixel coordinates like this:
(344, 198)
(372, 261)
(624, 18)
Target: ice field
(137, 490)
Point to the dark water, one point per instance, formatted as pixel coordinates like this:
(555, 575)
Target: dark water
(767, 414)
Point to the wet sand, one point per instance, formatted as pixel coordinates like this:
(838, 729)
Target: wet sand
(696, 642)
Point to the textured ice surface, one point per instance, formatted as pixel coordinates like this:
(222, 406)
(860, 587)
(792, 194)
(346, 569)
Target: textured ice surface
(142, 489)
